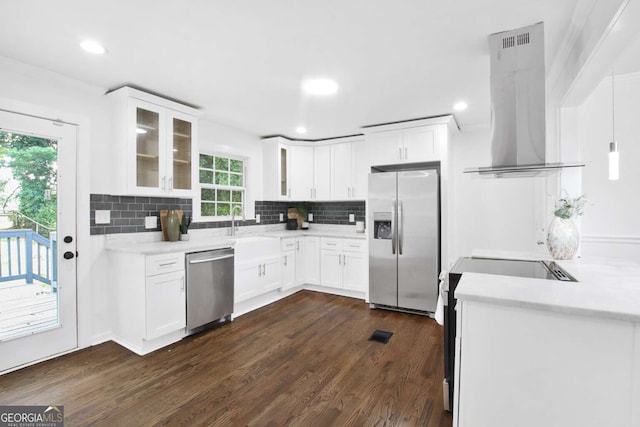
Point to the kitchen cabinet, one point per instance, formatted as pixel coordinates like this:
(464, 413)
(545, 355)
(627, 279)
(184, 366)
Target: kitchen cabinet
(544, 366)
(257, 267)
(312, 260)
(343, 263)
(276, 167)
(322, 172)
(157, 143)
(408, 145)
(257, 276)
(349, 170)
(293, 262)
(302, 172)
(149, 300)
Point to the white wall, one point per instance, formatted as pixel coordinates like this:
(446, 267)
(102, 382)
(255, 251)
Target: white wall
(490, 213)
(611, 226)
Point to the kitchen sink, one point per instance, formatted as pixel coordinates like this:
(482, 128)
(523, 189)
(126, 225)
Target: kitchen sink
(254, 246)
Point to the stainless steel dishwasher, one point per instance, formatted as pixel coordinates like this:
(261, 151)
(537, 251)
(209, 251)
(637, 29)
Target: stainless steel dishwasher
(209, 288)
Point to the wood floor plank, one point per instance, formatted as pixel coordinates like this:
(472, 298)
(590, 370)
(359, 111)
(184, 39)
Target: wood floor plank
(302, 361)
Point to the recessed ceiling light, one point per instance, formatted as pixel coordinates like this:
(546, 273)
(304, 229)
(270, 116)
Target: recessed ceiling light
(460, 106)
(92, 46)
(301, 129)
(320, 87)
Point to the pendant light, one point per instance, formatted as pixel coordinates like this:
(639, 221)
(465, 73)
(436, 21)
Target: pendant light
(614, 155)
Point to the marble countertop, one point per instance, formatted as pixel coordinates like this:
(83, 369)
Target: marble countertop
(148, 244)
(321, 233)
(607, 288)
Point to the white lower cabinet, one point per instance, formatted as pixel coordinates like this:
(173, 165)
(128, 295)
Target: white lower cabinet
(256, 277)
(165, 304)
(288, 270)
(312, 260)
(149, 300)
(343, 263)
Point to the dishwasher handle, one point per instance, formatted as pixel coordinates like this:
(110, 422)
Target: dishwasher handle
(199, 261)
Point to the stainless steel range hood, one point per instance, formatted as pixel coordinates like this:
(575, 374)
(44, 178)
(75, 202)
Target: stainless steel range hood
(518, 105)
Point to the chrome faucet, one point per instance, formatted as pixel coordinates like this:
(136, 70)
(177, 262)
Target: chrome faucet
(233, 221)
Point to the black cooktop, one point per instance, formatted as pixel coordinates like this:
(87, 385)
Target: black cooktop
(508, 267)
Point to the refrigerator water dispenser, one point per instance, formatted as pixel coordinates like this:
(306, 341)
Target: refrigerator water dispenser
(382, 225)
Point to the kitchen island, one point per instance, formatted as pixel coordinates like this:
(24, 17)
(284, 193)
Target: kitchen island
(533, 352)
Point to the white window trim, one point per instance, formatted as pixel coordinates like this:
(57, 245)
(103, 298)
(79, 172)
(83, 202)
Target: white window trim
(197, 201)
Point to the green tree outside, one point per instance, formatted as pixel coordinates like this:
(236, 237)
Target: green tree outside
(33, 163)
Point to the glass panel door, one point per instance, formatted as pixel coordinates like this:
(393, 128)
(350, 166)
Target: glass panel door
(147, 148)
(182, 138)
(37, 241)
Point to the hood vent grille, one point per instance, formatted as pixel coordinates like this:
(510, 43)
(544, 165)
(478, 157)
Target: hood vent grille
(518, 104)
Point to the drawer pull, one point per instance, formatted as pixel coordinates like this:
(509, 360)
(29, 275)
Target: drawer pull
(199, 261)
(332, 244)
(166, 264)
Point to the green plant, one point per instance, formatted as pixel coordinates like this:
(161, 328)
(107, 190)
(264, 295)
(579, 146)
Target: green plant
(184, 225)
(302, 211)
(568, 207)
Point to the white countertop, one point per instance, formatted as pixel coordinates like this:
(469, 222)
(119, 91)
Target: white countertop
(207, 239)
(607, 288)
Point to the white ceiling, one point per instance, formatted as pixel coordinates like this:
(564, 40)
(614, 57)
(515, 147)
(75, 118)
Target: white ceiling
(242, 62)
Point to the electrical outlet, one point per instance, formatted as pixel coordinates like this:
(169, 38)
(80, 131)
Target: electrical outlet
(103, 217)
(310, 217)
(257, 218)
(150, 222)
(281, 217)
(352, 218)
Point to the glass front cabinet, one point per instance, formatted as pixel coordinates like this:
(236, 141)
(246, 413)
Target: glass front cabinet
(158, 139)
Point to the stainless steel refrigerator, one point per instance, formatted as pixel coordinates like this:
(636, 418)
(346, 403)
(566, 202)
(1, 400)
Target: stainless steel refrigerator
(404, 239)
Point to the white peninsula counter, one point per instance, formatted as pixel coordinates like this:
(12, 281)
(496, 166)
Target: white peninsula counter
(533, 352)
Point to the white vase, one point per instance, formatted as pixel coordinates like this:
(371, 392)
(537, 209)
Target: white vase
(563, 238)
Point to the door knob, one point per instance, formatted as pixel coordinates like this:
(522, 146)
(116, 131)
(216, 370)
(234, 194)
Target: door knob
(68, 255)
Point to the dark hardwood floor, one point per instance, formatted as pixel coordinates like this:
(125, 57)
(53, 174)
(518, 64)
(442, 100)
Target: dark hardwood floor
(303, 361)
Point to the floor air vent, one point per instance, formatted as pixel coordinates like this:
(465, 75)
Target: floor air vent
(380, 336)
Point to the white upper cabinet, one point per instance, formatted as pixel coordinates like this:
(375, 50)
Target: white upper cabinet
(341, 176)
(302, 182)
(276, 167)
(157, 139)
(322, 172)
(408, 145)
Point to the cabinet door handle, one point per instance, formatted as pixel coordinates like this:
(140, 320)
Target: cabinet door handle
(406, 153)
(289, 192)
(166, 264)
(285, 260)
(164, 182)
(344, 260)
(297, 246)
(259, 270)
(264, 269)
(171, 184)
(339, 259)
(400, 152)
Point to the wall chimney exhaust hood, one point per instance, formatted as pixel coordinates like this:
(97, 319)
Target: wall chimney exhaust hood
(518, 105)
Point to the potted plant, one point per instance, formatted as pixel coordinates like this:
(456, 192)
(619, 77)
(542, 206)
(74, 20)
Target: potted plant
(302, 217)
(563, 238)
(184, 227)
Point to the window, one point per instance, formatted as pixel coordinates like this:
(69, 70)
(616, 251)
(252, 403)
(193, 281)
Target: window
(221, 185)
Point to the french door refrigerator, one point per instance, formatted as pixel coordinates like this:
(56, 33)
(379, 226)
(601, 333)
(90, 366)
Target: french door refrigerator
(404, 239)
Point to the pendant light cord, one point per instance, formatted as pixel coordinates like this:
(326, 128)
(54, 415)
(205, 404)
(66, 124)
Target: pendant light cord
(613, 106)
